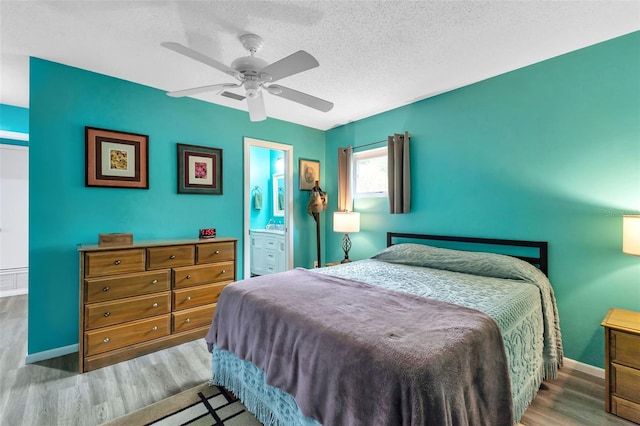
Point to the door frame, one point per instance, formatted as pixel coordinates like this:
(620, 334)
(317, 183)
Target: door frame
(288, 208)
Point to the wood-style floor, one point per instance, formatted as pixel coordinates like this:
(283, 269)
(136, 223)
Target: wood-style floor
(53, 393)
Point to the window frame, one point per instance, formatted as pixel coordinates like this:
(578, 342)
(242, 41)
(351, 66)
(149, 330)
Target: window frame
(366, 155)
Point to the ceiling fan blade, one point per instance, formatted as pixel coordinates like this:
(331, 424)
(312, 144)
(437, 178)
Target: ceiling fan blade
(301, 98)
(184, 50)
(292, 64)
(202, 89)
(256, 107)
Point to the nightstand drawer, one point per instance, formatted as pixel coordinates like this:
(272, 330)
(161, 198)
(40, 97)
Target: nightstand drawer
(627, 409)
(203, 274)
(215, 252)
(197, 296)
(132, 308)
(169, 257)
(193, 318)
(625, 348)
(101, 289)
(625, 382)
(114, 262)
(119, 336)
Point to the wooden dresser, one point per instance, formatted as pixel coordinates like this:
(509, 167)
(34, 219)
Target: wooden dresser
(146, 296)
(622, 363)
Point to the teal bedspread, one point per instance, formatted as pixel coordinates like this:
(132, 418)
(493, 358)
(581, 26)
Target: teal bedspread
(512, 292)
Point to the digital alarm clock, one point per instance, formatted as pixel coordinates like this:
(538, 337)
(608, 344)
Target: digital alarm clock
(208, 233)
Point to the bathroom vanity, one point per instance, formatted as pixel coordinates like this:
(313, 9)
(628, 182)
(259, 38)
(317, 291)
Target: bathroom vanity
(267, 251)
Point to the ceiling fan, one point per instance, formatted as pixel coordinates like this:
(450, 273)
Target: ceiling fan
(254, 74)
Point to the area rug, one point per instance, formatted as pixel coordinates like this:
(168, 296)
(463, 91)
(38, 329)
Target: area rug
(199, 406)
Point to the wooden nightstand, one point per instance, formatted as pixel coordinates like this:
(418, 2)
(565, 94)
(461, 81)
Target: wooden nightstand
(622, 363)
(332, 264)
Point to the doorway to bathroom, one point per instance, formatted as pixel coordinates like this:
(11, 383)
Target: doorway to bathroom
(268, 200)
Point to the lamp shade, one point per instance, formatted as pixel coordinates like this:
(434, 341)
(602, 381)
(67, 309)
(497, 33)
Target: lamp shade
(346, 222)
(631, 235)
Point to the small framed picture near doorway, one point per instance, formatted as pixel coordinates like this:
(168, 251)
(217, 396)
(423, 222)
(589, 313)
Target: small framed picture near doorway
(116, 159)
(309, 173)
(199, 170)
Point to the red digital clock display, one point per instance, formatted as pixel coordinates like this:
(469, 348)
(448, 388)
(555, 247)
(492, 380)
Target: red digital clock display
(208, 233)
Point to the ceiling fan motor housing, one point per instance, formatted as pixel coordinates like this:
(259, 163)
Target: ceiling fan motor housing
(249, 65)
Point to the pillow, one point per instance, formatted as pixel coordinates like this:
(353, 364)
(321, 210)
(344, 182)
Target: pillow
(467, 262)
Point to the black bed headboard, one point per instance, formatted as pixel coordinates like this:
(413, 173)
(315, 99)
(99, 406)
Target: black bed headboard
(541, 260)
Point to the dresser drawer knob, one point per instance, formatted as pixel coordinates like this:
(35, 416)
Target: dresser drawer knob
(117, 262)
(188, 277)
(223, 271)
(155, 305)
(106, 288)
(188, 298)
(188, 320)
(155, 328)
(173, 256)
(217, 251)
(154, 282)
(106, 340)
(106, 314)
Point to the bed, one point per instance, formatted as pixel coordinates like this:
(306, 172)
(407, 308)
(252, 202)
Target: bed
(415, 335)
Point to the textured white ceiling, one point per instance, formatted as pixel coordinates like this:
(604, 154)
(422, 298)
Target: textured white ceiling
(374, 55)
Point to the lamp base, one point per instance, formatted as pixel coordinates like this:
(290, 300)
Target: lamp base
(346, 246)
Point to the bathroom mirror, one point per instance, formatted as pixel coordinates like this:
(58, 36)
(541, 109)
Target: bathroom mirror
(278, 194)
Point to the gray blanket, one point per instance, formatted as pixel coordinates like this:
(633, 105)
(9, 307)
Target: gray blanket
(355, 354)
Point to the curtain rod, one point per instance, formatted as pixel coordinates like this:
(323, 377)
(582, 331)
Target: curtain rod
(368, 144)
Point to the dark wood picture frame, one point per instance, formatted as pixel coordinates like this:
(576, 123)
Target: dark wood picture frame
(199, 170)
(309, 171)
(116, 159)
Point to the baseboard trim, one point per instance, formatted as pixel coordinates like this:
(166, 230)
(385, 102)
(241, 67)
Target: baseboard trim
(51, 353)
(584, 368)
(14, 292)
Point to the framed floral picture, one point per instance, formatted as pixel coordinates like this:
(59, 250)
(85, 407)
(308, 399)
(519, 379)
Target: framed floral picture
(116, 159)
(199, 170)
(309, 173)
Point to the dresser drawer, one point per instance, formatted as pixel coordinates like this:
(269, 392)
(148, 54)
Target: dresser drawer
(119, 336)
(215, 252)
(625, 382)
(193, 318)
(627, 409)
(625, 348)
(100, 263)
(102, 289)
(132, 308)
(169, 257)
(203, 274)
(197, 296)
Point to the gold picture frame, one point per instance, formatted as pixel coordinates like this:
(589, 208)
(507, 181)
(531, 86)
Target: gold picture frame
(309, 171)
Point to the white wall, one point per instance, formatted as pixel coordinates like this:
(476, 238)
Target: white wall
(14, 219)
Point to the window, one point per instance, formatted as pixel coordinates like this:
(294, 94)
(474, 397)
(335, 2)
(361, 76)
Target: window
(370, 173)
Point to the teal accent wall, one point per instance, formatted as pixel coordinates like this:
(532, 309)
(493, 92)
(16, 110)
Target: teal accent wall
(261, 178)
(548, 152)
(14, 119)
(63, 212)
(263, 161)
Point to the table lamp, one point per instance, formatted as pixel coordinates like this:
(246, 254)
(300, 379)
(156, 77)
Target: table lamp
(346, 222)
(630, 235)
